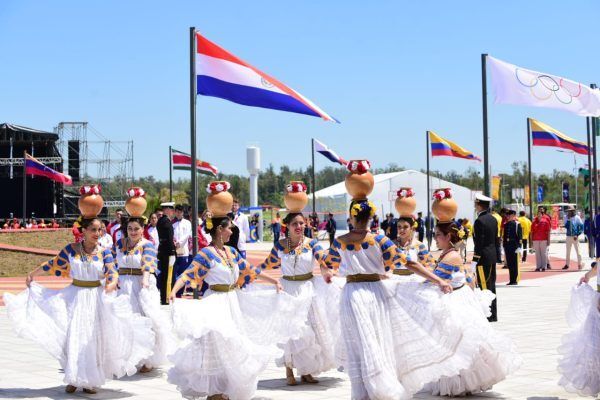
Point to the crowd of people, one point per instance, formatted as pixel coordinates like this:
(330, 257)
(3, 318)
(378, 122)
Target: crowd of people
(14, 223)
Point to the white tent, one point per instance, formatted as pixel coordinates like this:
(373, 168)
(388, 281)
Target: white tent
(336, 200)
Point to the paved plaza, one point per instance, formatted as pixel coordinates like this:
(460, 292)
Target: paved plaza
(533, 314)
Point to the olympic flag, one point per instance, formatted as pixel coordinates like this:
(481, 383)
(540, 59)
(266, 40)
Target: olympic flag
(516, 85)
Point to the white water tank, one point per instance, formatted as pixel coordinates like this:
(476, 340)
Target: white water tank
(253, 160)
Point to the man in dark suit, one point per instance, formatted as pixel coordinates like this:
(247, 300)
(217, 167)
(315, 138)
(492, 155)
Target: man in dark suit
(485, 232)
(420, 226)
(166, 252)
(512, 240)
(331, 227)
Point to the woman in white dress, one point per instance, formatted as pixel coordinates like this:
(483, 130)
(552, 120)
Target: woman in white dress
(137, 263)
(492, 354)
(298, 257)
(230, 335)
(580, 363)
(90, 330)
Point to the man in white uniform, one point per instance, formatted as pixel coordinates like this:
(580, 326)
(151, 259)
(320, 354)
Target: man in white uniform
(241, 221)
(182, 233)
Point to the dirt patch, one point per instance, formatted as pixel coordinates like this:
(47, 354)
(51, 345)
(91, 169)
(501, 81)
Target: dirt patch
(18, 264)
(53, 240)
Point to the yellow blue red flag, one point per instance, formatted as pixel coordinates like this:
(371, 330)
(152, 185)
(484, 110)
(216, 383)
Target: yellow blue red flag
(443, 147)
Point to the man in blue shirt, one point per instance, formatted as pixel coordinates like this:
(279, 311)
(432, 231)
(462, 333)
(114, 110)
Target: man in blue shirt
(574, 227)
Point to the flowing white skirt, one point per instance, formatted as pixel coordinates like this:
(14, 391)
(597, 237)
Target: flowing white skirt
(147, 303)
(314, 351)
(229, 338)
(493, 354)
(94, 336)
(580, 363)
(395, 340)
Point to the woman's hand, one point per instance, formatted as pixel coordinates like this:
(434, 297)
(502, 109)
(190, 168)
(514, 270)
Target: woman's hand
(278, 287)
(29, 279)
(146, 280)
(444, 286)
(172, 297)
(327, 275)
(110, 287)
(584, 279)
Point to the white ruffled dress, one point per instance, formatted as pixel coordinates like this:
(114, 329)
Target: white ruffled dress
(145, 301)
(230, 336)
(580, 363)
(416, 251)
(314, 351)
(395, 341)
(95, 336)
(495, 354)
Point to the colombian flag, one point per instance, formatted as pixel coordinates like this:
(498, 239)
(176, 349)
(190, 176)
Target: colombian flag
(545, 135)
(34, 167)
(443, 147)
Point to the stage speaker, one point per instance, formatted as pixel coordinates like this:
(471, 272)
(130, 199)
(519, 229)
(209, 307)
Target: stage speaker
(73, 164)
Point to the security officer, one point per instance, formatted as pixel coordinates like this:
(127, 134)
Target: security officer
(512, 239)
(166, 251)
(485, 232)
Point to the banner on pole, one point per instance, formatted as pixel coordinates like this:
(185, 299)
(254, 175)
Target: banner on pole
(496, 187)
(540, 193)
(527, 198)
(516, 85)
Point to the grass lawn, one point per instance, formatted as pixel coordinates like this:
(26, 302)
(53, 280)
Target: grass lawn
(13, 263)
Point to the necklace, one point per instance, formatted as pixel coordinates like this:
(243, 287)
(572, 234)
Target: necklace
(225, 257)
(83, 253)
(360, 230)
(295, 249)
(131, 246)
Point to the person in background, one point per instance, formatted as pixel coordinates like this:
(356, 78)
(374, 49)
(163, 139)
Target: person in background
(114, 228)
(331, 227)
(512, 240)
(34, 224)
(526, 227)
(105, 240)
(574, 227)
(16, 224)
(467, 228)
(182, 233)
(54, 224)
(499, 237)
(150, 232)
(390, 226)
(596, 234)
(540, 238)
(166, 251)
(241, 221)
(29, 224)
(420, 227)
(276, 227)
(375, 225)
(76, 231)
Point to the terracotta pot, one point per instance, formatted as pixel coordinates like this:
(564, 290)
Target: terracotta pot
(444, 209)
(406, 206)
(135, 206)
(359, 186)
(90, 205)
(219, 204)
(295, 201)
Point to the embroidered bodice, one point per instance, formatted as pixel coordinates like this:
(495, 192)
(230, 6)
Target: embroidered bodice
(72, 263)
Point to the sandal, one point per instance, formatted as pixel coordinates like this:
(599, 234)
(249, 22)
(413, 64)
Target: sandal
(308, 379)
(70, 389)
(89, 391)
(289, 377)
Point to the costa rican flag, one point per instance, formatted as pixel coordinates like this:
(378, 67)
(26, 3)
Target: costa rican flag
(183, 161)
(34, 167)
(221, 74)
(327, 152)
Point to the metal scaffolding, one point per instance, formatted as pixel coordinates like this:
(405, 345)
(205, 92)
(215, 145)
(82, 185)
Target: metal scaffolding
(101, 160)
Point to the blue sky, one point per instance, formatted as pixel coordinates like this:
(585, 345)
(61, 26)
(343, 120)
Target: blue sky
(388, 70)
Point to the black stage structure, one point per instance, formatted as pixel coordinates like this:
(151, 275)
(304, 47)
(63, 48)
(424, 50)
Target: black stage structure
(44, 196)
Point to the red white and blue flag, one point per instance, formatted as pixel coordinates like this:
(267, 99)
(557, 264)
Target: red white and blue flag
(221, 74)
(327, 152)
(183, 161)
(34, 167)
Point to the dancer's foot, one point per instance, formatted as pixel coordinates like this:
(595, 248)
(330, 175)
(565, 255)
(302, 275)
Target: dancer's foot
(70, 389)
(217, 397)
(308, 379)
(289, 377)
(89, 391)
(145, 369)
(565, 267)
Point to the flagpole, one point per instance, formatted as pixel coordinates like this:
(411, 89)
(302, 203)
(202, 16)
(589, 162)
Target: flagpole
(194, 216)
(592, 208)
(428, 221)
(24, 189)
(314, 189)
(170, 173)
(594, 154)
(530, 177)
(486, 174)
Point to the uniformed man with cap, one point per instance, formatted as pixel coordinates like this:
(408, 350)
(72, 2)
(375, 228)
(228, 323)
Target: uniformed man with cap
(166, 251)
(485, 231)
